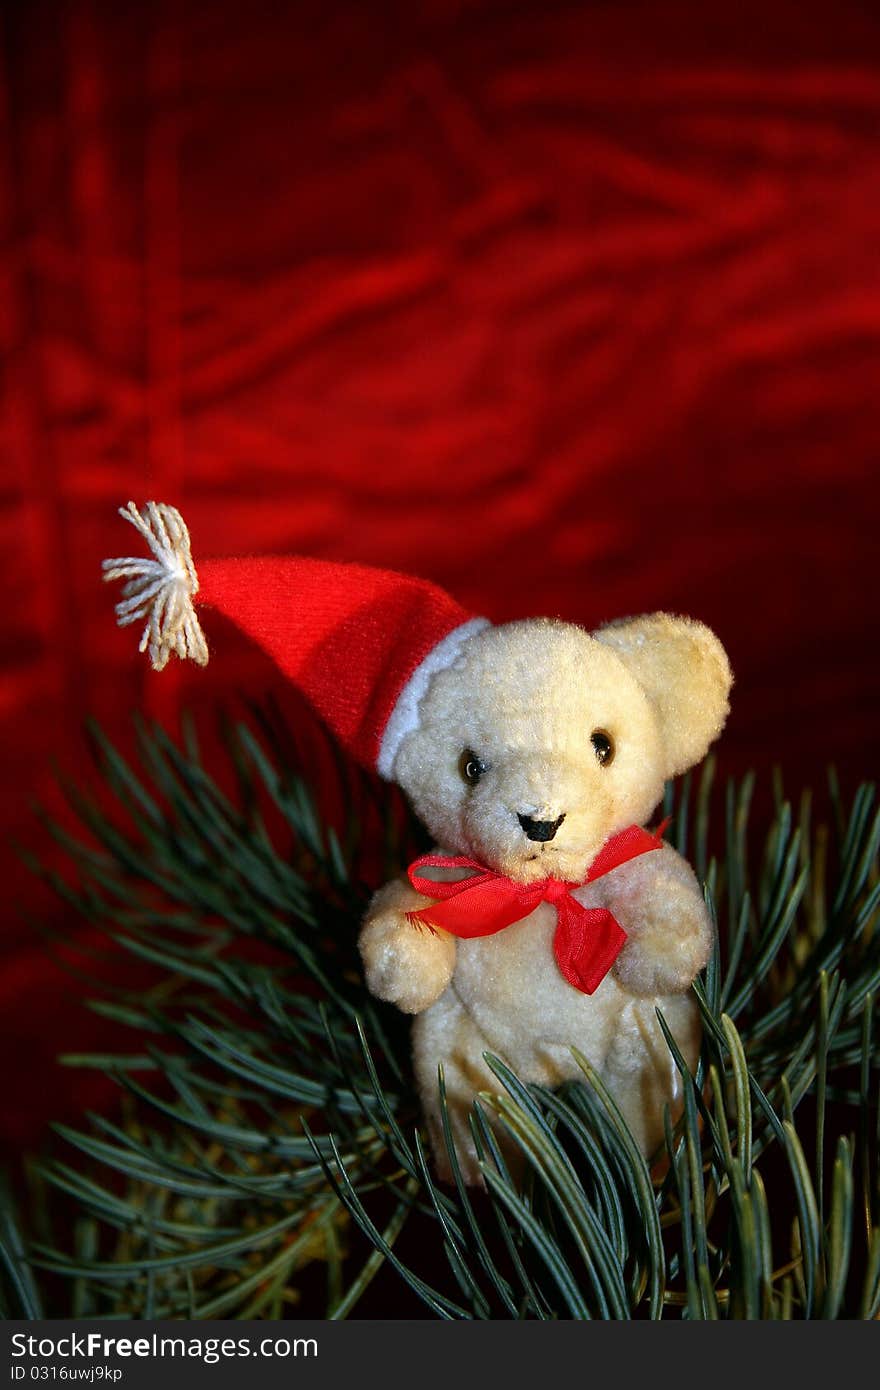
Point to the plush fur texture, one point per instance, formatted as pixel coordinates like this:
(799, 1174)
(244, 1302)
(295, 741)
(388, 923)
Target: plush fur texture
(526, 699)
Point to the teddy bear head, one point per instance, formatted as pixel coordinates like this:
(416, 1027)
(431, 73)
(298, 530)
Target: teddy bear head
(542, 740)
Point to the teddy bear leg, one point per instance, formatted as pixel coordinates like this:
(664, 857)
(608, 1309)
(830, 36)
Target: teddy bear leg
(446, 1034)
(640, 1070)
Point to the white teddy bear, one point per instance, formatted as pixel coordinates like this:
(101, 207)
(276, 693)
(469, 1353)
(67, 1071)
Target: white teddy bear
(533, 752)
(533, 749)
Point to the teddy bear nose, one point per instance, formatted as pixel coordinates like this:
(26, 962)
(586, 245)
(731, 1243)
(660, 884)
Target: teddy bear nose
(540, 829)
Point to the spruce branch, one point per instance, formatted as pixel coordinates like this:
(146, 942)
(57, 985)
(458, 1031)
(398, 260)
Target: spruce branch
(269, 1136)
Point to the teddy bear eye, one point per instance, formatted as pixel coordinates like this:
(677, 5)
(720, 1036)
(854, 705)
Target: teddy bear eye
(471, 767)
(604, 746)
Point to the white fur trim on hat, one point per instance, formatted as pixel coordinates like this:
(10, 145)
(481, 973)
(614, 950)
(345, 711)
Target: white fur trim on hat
(404, 717)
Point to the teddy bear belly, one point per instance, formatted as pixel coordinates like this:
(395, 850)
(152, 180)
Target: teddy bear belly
(516, 995)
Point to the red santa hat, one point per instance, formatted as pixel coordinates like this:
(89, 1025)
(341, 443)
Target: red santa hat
(362, 644)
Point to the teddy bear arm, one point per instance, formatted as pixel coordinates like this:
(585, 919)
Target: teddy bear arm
(404, 963)
(658, 902)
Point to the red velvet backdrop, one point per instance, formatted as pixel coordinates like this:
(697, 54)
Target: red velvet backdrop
(573, 308)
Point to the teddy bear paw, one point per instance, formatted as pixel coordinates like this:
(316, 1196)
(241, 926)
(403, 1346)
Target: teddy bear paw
(406, 964)
(664, 965)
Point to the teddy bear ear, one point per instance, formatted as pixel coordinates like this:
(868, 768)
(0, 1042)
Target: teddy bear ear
(684, 670)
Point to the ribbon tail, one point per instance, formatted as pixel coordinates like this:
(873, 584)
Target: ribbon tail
(421, 919)
(586, 945)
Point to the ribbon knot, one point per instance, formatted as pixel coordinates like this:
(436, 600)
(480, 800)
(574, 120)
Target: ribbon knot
(587, 941)
(555, 890)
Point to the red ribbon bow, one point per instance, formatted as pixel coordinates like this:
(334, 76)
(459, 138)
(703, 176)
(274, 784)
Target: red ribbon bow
(588, 940)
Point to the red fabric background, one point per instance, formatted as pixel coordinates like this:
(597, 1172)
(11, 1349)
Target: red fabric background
(574, 309)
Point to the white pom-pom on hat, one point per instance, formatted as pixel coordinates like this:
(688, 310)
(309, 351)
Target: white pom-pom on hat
(161, 590)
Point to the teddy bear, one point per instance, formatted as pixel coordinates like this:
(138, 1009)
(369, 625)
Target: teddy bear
(534, 752)
(539, 744)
